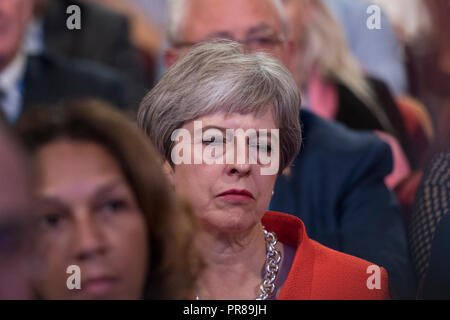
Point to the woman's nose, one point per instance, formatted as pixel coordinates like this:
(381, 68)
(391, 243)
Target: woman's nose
(240, 163)
(89, 241)
(239, 169)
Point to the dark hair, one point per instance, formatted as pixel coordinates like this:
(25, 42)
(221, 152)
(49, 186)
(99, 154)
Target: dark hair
(173, 262)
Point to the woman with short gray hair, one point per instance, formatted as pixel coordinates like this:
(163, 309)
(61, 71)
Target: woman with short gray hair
(215, 77)
(227, 124)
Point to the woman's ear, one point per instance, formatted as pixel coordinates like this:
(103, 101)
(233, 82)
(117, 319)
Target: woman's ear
(169, 172)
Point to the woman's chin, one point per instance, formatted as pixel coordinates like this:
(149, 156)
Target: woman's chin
(231, 222)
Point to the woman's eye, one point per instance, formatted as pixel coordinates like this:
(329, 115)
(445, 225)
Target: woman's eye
(213, 139)
(266, 147)
(262, 146)
(262, 40)
(115, 205)
(52, 220)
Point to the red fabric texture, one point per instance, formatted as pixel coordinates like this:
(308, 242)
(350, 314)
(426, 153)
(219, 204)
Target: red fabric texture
(318, 272)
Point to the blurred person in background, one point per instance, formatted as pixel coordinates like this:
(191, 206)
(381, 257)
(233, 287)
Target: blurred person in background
(429, 225)
(410, 18)
(336, 184)
(156, 12)
(28, 80)
(335, 85)
(147, 27)
(423, 27)
(16, 220)
(250, 253)
(103, 204)
(106, 37)
(379, 51)
(382, 53)
(429, 230)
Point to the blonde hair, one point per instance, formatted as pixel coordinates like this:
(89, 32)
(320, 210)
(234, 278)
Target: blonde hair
(326, 49)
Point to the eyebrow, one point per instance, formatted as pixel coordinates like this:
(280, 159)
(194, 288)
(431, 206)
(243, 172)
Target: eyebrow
(227, 35)
(109, 186)
(219, 35)
(224, 130)
(260, 28)
(204, 129)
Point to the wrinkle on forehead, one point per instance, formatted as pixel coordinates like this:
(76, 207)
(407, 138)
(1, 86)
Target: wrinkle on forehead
(235, 17)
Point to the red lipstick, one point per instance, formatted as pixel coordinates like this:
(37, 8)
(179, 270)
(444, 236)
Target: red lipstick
(237, 194)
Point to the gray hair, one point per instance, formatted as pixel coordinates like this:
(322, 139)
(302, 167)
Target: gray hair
(219, 77)
(177, 10)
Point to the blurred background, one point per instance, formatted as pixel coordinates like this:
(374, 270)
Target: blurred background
(118, 55)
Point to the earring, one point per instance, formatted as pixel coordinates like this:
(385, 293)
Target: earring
(273, 192)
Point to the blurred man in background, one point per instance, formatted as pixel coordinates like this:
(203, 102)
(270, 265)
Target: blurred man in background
(28, 80)
(107, 37)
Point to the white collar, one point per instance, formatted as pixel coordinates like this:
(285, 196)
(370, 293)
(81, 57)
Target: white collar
(10, 76)
(10, 79)
(34, 37)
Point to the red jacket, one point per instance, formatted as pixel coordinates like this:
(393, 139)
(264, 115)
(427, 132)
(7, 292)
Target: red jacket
(321, 273)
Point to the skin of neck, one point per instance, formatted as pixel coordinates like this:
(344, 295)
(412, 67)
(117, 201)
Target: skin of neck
(234, 263)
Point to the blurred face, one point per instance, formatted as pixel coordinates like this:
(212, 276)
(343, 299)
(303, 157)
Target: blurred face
(255, 23)
(226, 197)
(15, 213)
(89, 217)
(296, 13)
(14, 18)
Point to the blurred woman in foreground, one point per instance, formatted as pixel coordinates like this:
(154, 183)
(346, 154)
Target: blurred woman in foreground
(104, 206)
